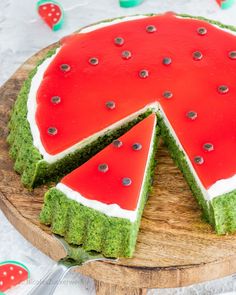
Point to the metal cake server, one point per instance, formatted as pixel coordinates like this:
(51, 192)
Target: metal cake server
(76, 256)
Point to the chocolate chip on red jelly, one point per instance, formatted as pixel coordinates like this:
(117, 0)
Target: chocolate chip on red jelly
(110, 105)
(198, 160)
(232, 54)
(151, 28)
(93, 61)
(202, 31)
(137, 146)
(191, 115)
(126, 181)
(167, 61)
(117, 143)
(52, 130)
(119, 41)
(103, 167)
(65, 67)
(197, 55)
(208, 147)
(55, 99)
(126, 54)
(223, 89)
(143, 74)
(167, 94)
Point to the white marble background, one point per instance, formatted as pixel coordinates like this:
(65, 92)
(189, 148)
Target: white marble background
(22, 34)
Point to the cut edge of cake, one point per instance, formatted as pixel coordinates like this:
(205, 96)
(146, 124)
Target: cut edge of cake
(219, 211)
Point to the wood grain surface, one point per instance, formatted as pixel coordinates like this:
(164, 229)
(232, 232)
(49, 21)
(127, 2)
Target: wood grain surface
(175, 246)
(110, 289)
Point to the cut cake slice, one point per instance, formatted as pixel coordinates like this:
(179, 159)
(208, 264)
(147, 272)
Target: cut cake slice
(99, 205)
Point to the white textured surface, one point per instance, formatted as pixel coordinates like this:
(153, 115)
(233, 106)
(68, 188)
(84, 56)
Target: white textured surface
(21, 35)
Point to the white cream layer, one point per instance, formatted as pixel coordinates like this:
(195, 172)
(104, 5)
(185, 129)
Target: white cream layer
(112, 209)
(220, 187)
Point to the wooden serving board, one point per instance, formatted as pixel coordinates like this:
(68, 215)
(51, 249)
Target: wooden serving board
(175, 246)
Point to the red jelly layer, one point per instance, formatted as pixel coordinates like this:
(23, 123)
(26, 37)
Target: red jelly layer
(85, 88)
(123, 162)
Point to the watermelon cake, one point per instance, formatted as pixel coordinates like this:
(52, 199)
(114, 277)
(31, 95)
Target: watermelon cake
(100, 82)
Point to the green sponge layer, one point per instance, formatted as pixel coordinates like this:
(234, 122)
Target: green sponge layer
(80, 225)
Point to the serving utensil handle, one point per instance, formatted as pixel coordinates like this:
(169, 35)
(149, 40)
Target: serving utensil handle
(50, 281)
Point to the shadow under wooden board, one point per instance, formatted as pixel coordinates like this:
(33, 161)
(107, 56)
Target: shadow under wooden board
(175, 246)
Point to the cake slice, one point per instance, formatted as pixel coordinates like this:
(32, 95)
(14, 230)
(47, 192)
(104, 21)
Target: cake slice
(99, 205)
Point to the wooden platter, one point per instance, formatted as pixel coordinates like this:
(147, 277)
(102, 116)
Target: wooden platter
(175, 246)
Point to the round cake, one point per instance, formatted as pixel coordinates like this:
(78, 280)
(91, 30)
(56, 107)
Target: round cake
(90, 115)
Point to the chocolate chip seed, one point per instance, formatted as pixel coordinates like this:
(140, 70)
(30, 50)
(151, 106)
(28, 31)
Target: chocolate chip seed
(65, 68)
(167, 94)
(137, 146)
(103, 167)
(93, 61)
(232, 54)
(56, 99)
(192, 115)
(52, 130)
(202, 31)
(143, 74)
(119, 41)
(167, 61)
(222, 89)
(126, 54)
(117, 143)
(110, 105)
(126, 181)
(151, 29)
(198, 160)
(208, 147)
(197, 55)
